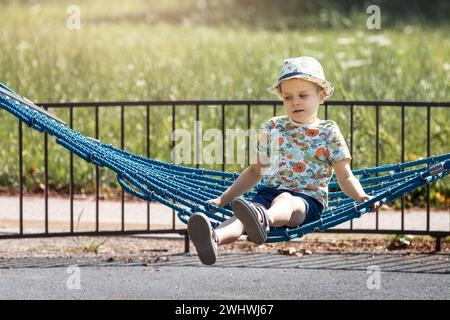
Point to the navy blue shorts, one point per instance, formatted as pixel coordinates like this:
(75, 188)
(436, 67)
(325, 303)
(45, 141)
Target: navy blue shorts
(314, 208)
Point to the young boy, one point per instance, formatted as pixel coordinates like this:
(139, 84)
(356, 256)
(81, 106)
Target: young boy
(297, 155)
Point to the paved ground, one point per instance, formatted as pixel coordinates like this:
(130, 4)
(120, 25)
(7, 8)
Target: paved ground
(235, 276)
(110, 214)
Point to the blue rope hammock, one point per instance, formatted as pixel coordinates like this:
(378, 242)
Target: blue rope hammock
(187, 190)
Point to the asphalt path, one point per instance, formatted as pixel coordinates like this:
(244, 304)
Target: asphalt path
(243, 276)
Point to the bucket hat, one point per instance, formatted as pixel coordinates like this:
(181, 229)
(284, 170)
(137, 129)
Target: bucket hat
(306, 68)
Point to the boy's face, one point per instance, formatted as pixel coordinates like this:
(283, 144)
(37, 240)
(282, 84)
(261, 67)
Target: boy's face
(301, 99)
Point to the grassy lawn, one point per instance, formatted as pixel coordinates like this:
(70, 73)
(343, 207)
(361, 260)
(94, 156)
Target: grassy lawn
(170, 50)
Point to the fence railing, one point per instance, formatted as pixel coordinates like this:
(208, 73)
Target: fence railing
(246, 105)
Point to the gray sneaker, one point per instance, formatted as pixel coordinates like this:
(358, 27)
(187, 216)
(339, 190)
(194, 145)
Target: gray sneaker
(254, 218)
(203, 237)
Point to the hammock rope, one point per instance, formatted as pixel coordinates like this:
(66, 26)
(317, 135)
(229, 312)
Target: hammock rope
(186, 189)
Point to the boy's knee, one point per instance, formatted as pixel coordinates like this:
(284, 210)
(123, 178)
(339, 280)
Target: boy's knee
(296, 219)
(298, 213)
(285, 196)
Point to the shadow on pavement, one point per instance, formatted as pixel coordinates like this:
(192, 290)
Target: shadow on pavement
(420, 263)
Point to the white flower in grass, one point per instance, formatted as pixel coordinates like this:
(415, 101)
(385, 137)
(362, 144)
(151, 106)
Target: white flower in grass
(225, 81)
(446, 66)
(360, 34)
(310, 39)
(341, 55)
(130, 67)
(354, 64)
(364, 51)
(316, 54)
(23, 45)
(36, 8)
(380, 40)
(408, 29)
(140, 83)
(345, 41)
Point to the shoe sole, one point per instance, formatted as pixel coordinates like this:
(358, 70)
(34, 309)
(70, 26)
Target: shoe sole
(249, 218)
(201, 236)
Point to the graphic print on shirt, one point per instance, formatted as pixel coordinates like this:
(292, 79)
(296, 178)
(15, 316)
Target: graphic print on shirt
(301, 157)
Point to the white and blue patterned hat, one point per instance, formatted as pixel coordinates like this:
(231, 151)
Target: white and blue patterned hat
(306, 68)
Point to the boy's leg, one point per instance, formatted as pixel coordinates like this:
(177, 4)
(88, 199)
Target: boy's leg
(229, 231)
(206, 240)
(202, 236)
(286, 210)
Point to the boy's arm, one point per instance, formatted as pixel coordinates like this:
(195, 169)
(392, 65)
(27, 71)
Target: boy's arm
(246, 180)
(347, 181)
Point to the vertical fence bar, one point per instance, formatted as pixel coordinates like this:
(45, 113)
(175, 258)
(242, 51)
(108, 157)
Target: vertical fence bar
(71, 191)
(326, 111)
(428, 155)
(122, 146)
(351, 132)
(377, 135)
(274, 110)
(20, 179)
(174, 160)
(222, 126)
(197, 136)
(403, 160)
(97, 176)
(222, 129)
(351, 146)
(249, 123)
(147, 139)
(46, 179)
(377, 153)
(186, 242)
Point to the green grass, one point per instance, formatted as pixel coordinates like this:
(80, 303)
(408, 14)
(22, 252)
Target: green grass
(169, 50)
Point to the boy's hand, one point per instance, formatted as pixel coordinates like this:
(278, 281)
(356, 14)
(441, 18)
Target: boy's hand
(375, 206)
(217, 202)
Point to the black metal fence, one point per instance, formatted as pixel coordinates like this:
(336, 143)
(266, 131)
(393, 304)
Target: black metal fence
(247, 105)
